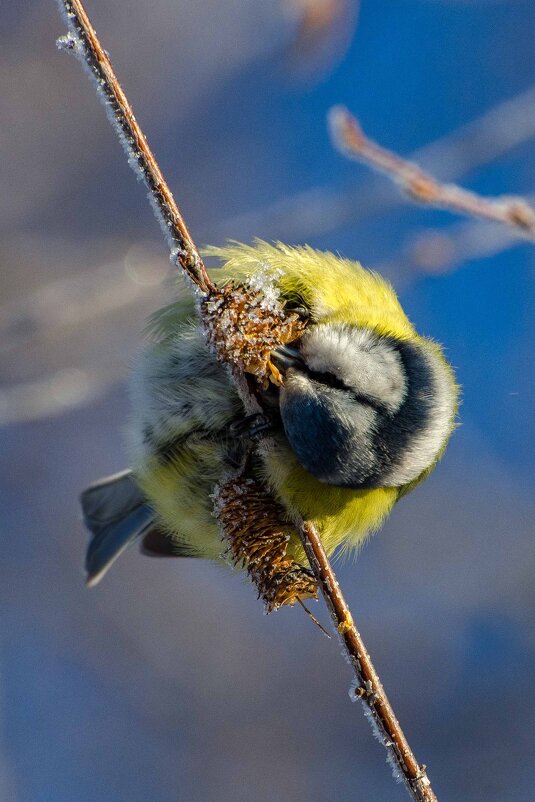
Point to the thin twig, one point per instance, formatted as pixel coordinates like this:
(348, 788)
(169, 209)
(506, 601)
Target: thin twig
(83, 41)
(369, 687)
(443, 250)
(321, 209)
(349, 137)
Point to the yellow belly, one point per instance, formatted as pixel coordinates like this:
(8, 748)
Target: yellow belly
(344, 517)
(180, 492)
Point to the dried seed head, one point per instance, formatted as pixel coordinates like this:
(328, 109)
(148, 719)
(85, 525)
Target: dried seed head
(252, 525)
(244, 328)
(244, 325)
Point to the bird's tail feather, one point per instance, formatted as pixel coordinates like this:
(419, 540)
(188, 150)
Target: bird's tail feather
(117, 515)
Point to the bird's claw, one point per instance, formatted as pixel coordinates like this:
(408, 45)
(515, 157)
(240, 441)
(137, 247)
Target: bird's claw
(252, 427)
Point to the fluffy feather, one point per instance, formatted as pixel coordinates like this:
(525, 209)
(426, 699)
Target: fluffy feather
(184, 402)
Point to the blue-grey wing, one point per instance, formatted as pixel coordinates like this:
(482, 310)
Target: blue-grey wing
(117, 515)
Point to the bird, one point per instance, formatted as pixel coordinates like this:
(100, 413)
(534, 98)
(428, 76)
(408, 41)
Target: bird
(363, 413)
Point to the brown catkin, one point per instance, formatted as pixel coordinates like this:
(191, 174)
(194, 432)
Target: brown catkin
(252, 524)
(244, 329)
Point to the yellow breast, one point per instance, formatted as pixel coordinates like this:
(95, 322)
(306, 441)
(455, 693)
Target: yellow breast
(343, 517)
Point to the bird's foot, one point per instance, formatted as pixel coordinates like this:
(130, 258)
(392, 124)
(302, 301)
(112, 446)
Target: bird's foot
(251, 427)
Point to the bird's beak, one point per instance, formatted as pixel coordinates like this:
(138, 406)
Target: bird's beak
(285, 357)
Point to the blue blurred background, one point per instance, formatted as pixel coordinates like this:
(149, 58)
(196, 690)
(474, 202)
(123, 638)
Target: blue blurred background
(167, 682)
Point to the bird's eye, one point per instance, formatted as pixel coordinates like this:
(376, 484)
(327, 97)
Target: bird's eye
(367, 367)
(286, 356)
(330, 380)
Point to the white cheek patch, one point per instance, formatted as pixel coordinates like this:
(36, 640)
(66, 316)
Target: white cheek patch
(368, 364)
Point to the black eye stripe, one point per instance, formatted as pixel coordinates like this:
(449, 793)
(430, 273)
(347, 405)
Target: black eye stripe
(326, 378)
(333, 381)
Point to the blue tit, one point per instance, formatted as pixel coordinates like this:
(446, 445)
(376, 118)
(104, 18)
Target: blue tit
(364, 413)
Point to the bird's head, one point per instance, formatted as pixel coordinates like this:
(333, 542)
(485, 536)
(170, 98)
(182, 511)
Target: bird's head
(361, 409)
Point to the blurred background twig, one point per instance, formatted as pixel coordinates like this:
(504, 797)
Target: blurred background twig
(421, 186)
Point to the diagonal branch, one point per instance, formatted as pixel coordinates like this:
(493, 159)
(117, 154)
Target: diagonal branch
(82, 40)
(422, 187)
(369, 687)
